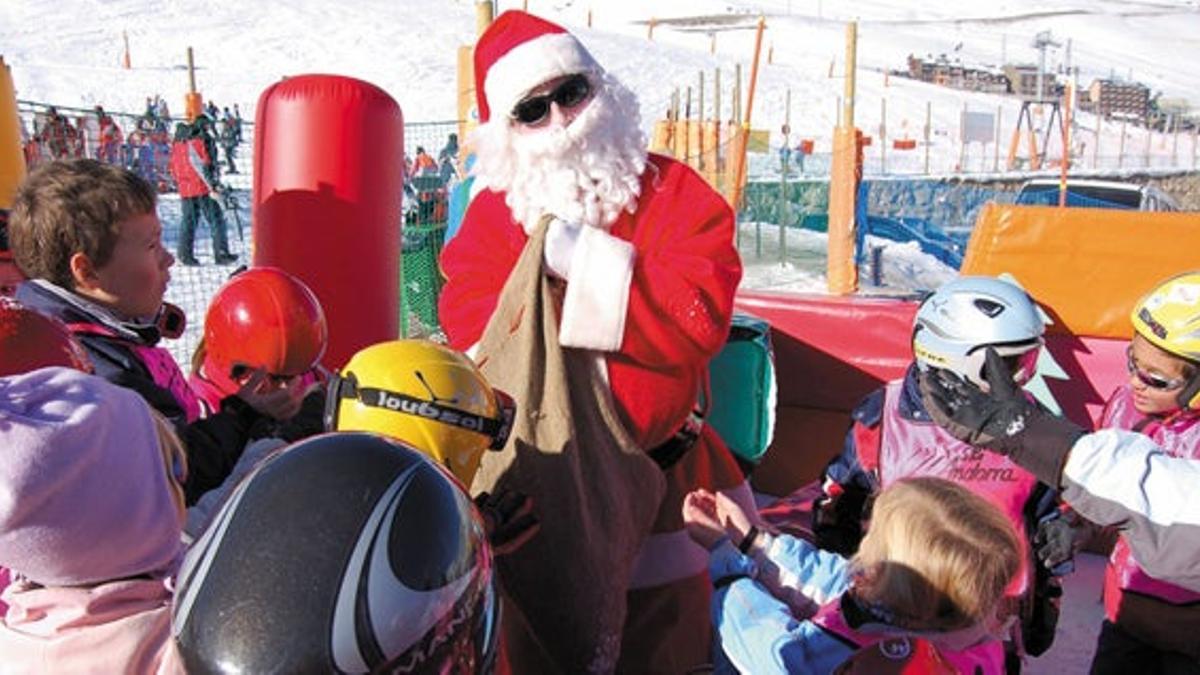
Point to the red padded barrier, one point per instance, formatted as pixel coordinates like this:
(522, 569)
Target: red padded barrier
(328, 152)
(830, 351)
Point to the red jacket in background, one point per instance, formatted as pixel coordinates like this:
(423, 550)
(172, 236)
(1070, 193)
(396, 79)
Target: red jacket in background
(189, 162)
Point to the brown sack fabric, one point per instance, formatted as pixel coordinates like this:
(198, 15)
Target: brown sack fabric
(594, 490)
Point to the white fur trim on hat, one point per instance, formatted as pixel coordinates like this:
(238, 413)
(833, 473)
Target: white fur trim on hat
(530, 64)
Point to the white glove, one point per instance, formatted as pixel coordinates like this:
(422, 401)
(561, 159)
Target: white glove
(561, 239)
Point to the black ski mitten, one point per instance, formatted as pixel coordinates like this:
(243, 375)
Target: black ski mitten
(508, 518)
(1001, 420)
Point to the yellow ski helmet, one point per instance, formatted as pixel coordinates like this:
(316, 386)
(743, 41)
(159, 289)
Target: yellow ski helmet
(427, 395)
(1169, 318)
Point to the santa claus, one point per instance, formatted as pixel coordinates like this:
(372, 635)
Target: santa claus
(641, 250)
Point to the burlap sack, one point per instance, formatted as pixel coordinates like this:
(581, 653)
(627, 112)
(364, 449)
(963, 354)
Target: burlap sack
(595, 491)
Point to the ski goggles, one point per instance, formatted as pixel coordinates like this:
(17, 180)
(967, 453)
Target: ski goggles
(568, 94)
(241, 371)
(1152, 380)
(1020, 359)
(346, 387)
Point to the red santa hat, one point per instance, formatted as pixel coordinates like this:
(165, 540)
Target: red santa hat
(518, 52)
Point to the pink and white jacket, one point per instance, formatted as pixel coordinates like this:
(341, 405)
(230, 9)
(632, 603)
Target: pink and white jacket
(1179, 436)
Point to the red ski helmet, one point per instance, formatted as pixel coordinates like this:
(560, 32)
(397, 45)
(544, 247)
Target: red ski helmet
(263, 318)
(30, 340)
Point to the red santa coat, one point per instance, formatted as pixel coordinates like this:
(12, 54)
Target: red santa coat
(658, 300)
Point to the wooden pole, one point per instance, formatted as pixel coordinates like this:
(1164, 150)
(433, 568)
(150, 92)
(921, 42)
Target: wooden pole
(717, 95)
(785, 206)
(1195, 136)
(962, 139)
(740, 174)
(996, 140)
(851, 67)
(483, 16)
(1068, 118)
(191, 70)
(928, 131)
(650, 31)
(883, 135)
(1096, 141)
(1149, 143)
(126, 63)
(1174, 139)
(1121, 147)
(841, 275)
(589, 17)
(737, 93)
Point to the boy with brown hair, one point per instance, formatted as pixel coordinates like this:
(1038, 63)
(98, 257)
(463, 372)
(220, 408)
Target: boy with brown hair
(89, 238)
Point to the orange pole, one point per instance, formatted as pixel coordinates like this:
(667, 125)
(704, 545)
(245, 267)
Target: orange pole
(740, 174)
(841, 275)
(1066, 139)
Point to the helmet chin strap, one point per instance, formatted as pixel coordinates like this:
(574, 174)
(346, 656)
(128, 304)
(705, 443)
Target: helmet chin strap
(1189, 397)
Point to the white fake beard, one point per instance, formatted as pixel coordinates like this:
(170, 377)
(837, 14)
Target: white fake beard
(588, 172)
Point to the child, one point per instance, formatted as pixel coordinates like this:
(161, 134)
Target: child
(264, 319)
(434, 399)
(934, 565)
(89, 238)
(90, 516)
(10, 275)
(1152, 626)
(893, 437)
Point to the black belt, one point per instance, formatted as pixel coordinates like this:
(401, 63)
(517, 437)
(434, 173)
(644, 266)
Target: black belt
(675, 447)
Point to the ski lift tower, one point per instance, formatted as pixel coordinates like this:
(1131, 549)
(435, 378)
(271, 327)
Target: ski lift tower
(1041, 42)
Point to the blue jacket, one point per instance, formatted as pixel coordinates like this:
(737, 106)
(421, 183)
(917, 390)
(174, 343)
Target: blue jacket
(757, 632)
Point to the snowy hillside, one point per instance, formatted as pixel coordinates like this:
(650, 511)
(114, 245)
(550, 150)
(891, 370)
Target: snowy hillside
(69, 52)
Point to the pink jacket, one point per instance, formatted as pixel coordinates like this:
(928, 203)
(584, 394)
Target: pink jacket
(116, 627)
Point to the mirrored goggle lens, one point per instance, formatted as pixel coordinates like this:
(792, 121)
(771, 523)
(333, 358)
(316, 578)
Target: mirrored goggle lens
(1019, 360)
(1150, 379)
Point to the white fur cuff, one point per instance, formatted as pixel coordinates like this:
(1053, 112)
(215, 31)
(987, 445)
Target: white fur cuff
(597, 297)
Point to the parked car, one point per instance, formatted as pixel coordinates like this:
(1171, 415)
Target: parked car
(1097, 194)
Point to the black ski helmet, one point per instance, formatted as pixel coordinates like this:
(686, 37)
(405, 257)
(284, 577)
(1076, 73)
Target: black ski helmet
(344, 553)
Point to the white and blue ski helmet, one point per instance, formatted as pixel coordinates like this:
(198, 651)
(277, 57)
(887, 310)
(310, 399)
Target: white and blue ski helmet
(960, 319)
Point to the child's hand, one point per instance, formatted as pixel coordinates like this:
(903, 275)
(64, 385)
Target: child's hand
(278, 402)
(731, 516)
(701, 520)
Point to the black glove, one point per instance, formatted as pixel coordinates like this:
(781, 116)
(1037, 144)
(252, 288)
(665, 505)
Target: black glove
(508, 518)
(1001, 420)
(1056, 542)
(310, 421)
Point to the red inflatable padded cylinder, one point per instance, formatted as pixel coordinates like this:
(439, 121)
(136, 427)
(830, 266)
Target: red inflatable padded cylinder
(328, 152)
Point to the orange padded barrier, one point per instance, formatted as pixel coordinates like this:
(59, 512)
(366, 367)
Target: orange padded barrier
(1087, 267)
(12, 161)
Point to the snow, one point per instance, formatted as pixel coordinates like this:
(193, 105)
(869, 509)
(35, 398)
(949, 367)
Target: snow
(68, 53)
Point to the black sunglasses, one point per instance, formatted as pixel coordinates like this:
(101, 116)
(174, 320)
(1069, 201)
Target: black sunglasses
(573, 91)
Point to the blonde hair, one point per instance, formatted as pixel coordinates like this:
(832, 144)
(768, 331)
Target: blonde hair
(937, 556)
